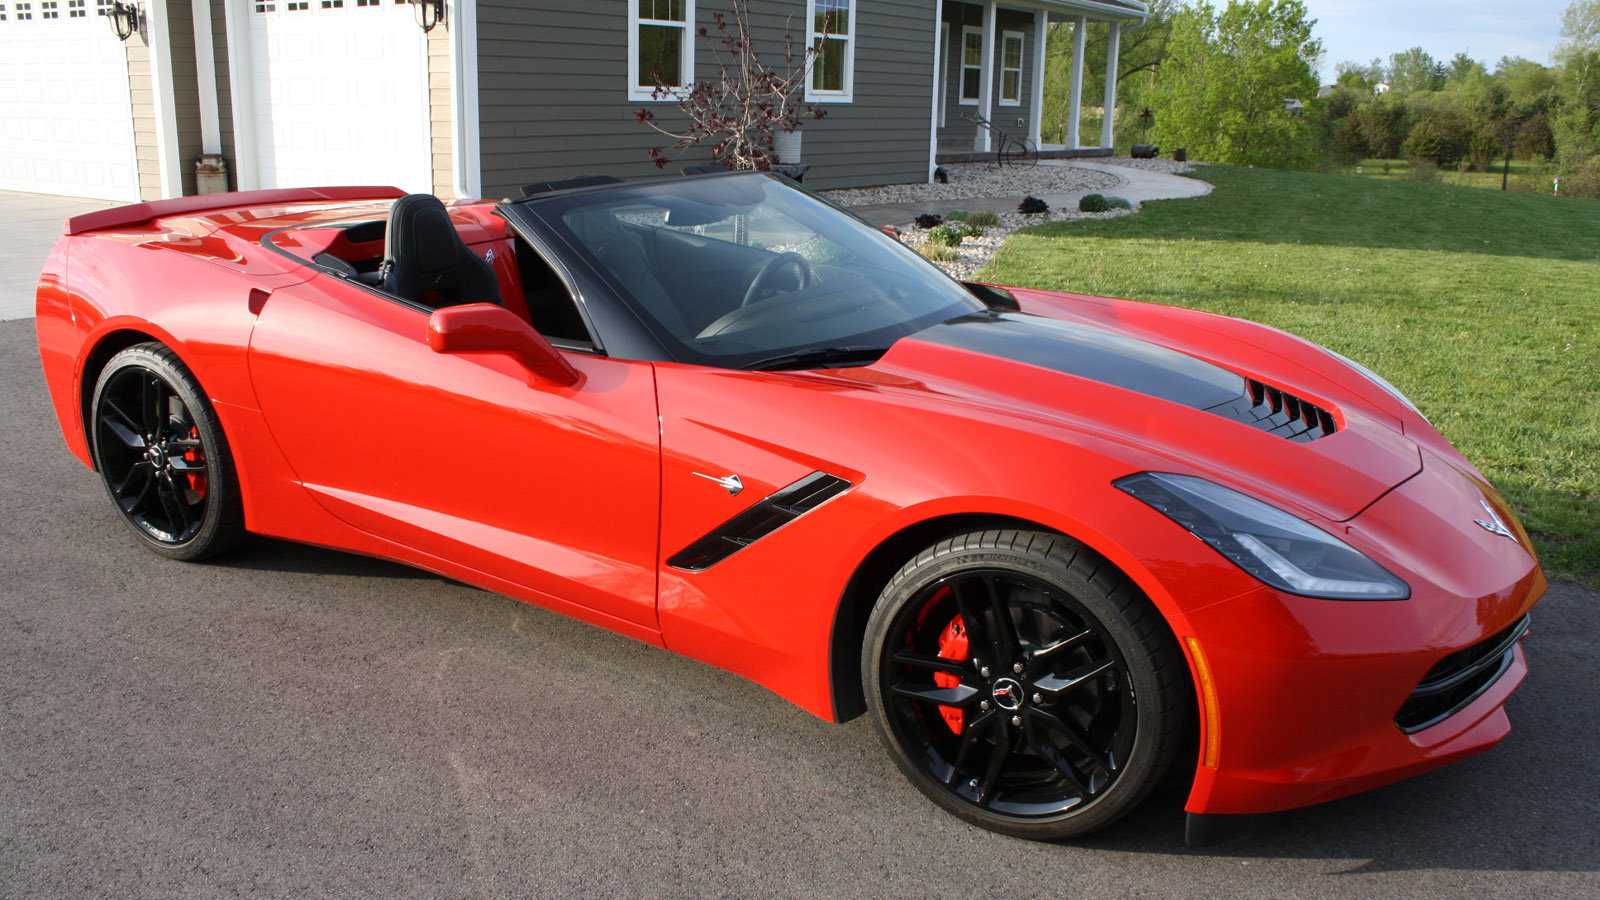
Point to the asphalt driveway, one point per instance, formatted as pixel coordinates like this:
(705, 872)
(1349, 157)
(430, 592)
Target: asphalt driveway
(294, 722)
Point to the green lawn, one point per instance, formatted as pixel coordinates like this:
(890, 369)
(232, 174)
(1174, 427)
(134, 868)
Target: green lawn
(1484, 307)
(1520, 175)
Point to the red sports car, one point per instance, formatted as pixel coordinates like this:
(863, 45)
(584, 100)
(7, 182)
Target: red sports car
(1054, 544)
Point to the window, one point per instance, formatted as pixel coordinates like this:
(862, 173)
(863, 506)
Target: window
(660, 46)
(1011, 68)
(971, 65)
(47, 10)
(75, 9)
(833, 39)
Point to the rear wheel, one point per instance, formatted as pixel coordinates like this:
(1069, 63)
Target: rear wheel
(1022, 683)
(161, 453)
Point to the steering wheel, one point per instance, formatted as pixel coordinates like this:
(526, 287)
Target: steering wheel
(769, 273)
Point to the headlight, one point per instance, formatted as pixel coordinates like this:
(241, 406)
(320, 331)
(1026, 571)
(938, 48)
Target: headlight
(1378, 380)
(1281, 550)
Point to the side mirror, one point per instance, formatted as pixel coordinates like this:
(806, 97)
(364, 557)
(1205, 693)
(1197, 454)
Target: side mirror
(486, 328)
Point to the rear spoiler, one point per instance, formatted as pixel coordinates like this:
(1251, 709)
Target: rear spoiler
(140, 213)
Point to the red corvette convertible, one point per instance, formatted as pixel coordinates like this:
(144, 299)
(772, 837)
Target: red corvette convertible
(1054, 544)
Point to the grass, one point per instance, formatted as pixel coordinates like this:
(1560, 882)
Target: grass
(1394, 169)
(1484, 307)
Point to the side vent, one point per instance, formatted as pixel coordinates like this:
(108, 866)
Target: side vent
(759, 521)
(1278, 412)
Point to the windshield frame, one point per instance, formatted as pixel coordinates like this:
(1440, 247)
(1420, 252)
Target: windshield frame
(543, 213)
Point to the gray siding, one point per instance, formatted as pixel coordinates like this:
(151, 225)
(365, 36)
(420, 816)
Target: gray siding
(553, 97)
(957, 133)
(186, 88)
(219, 50)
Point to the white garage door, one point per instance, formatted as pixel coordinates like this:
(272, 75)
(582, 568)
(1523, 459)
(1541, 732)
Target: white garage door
(340, 90)
(66, 126)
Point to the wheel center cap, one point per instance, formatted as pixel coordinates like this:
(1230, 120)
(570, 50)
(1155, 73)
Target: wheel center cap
(158, 456)
(1007, 693)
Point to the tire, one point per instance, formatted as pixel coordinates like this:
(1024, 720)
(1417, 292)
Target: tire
(162, 456)
(1028, 641)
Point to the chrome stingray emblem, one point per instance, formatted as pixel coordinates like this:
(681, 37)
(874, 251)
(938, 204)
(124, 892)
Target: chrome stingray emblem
(1494, 525)
(729, 482)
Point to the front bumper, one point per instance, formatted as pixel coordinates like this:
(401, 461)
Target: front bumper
(1308, 691)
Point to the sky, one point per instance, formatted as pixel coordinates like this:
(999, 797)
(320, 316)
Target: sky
(1363, 30)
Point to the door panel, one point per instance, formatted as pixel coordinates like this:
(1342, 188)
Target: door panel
(459, 455)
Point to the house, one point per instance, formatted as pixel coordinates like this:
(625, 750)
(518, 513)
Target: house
(477, 97)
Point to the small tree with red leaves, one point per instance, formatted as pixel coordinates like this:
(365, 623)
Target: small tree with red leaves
(747, 103)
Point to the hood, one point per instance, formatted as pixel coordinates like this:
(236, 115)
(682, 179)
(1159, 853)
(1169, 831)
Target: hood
(1223, 422)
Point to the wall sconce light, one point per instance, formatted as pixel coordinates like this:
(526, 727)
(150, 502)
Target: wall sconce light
(124, 19)
(428, 13)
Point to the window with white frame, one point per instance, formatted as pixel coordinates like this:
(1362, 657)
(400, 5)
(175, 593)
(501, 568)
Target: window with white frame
(833, 40)
(660, 47)
(971, 65)
(1011, 68)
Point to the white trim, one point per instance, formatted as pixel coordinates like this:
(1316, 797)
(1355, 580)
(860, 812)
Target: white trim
(941, 44)
(1022, 49)
(815, 95)
(961, 88)
(464, 111)
(205, 67)
(164, 99)
(941, 74)
(1041, 29)
(981, 141)
(637, 91)
(1075, 90)
(1108, 131)
(246, 159)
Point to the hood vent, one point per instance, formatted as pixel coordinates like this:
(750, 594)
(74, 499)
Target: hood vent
(1277, 412)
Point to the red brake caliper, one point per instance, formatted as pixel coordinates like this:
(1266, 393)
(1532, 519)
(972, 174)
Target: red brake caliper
(952, 645)
(197, 480)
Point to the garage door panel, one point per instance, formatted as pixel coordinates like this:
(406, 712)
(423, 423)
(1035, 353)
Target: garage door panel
(68, 122)
(341, 95)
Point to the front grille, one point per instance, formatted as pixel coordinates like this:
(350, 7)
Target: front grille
(1278, 412)
(1459, 679)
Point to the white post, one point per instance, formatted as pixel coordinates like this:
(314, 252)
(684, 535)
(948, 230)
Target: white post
(164, 95)
(1041, 31)
(980, 141)
(1075, 92)
(205, 66)
(241, 79)
(933, 108)
(1108, 134)
(464, 98)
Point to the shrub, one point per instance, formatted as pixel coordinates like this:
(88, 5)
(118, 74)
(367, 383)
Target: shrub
(983, 218)
(1423, 170)
(945, 236)
(1032, 206)
(956, 215)
(970, 230)
(938, 253)
(1093, 203)
(929, 220)
(1118, 203)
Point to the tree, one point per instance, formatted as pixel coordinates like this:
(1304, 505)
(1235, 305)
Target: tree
(1414, 70)
(1220, 93)
(1439, 137)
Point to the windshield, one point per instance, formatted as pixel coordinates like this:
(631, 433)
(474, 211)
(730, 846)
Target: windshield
(747, 271)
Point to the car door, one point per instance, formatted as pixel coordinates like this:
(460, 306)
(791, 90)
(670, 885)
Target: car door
(464, 456)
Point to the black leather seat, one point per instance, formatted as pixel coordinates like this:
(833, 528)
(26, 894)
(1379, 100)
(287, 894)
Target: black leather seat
(425, 260)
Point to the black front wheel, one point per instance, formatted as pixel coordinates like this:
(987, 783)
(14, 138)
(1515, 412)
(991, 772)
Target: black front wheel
(1024, 684)
(161, 453)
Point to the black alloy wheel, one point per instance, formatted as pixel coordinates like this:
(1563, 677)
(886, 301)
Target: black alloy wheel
(161, 454)
(1024, 684)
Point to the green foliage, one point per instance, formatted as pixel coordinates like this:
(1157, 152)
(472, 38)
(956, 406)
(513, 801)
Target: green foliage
(1220, 91)
(983, 218)
(939, 253)
(1439, 138)
(1414, 70)
(945, 236)
(1093, 203)
(957, 215)
(1141, 52)
(1118, 203)
(968, 229)
(1479, 305)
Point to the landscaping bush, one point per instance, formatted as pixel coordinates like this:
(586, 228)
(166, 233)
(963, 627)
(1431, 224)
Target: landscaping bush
(968, 229)
(929, 220)
(1118, 203)
(938, 253)
(1093, 203)
(1031, 206)
(957, 215)
(945, 236)
(983, 218)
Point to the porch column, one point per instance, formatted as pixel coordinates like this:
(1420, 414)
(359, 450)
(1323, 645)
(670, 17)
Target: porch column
(1108, 124)
(1075, 92)
(169, 166)
(980, 141)
(1041, 31)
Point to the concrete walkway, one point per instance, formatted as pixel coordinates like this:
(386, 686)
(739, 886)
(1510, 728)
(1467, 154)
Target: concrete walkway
(1134, 185)
(30, 224)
